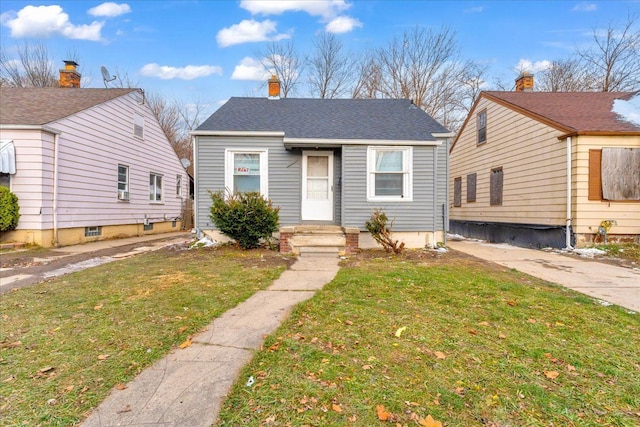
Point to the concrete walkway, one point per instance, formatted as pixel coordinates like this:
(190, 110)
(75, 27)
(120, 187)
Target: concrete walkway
(617, 285)
(187, 387)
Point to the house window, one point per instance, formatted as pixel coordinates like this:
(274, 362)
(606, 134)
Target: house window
(147, 227)
(620, 173)
(482, 126)
(457, 192)
(471, 187)
(138, 125)
(246, 170)
(123, 182)
(155, 187)
(92, 231)
(495, 196)
(389, 173)
(5, 180)
(178, 185)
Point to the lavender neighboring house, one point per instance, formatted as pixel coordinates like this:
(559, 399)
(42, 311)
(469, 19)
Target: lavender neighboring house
(87, 164)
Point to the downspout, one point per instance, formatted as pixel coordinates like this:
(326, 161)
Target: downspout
(435, 194)
(445, 216)
(56, 139)
(568, 232)
(196, 201)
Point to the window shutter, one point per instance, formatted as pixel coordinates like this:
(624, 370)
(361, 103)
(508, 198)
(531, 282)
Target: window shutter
(595, 180)
(457, 192)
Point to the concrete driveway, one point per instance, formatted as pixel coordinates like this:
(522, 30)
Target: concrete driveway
(616, 285)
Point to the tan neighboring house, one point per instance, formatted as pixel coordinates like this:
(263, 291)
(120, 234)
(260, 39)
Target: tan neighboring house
(547, 169)
(87, 164)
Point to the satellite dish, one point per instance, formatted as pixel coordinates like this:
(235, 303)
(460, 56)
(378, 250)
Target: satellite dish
(106, 77)
(185, 163)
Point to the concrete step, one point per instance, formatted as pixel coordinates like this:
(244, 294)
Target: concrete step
(318, 229)
(299, 240)
(320, 252)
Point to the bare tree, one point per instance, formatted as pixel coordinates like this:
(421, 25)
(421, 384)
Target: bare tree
(565, 75)
(367, 78)
(329, 67)
(282, 60)
(32, 68)
(614, 59)
(422, 65)
(471, 81)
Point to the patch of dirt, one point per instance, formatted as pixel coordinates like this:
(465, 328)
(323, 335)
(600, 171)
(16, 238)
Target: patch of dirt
(252, 258)
(620, 262)
(422, 256)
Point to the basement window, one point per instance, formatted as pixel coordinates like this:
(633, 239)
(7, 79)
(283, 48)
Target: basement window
(92, 231)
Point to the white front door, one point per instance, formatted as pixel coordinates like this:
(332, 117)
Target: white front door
(317, 186)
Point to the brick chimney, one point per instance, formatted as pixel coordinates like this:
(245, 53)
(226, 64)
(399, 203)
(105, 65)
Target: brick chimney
(274, 87)
(69, 75)
(524, 82)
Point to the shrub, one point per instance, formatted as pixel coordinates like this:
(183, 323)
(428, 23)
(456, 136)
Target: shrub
(377, 226)
(9, 210)
(244, 217)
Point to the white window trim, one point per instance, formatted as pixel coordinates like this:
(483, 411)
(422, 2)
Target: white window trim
(264, 169)
(178, 185)
(161, 201)
(407, 163)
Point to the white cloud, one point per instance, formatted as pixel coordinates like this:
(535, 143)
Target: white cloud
(48, 21)
(629, 110)
(189, 72)
(325, 8)
(109, 9)
(343, 24)
(250, 69)
(475, 9)
(248, 31)
(585, 7)
(532, 67)
(328, 10)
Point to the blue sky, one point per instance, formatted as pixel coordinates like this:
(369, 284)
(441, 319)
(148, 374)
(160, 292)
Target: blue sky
(206, 50)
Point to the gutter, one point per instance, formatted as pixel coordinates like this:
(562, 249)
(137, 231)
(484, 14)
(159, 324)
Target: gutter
(56, 140)
(568, 232)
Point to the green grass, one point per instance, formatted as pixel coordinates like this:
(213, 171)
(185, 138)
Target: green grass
(66, 342)
(483, 346)
(629, 251)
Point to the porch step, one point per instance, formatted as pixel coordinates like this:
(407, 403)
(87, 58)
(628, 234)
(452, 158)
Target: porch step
(319, 252)
(317, 240)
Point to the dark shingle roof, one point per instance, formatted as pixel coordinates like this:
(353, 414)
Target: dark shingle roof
(39, 106)
(375, 119)
(574, 111)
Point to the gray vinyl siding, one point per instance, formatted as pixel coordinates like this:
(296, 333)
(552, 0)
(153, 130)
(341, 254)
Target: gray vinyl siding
(283, 167)
(337, 186)
(416, 215)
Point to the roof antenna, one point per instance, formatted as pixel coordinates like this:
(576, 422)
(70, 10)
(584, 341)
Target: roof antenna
(106, 77)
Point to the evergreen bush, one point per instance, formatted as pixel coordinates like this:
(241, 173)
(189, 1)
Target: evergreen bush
(245, 217)
(9, 210)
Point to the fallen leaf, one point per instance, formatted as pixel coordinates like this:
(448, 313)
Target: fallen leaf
(98, 307)
(47, 369)
(531, 321)
(120, 386)
(400, 331)
(70, 388)
(485, 323)
(367, 367)
(440, 355)
(181, 330)
(511, 303)
(502, 336)
(430, 422)
(571, 368)
(552, 375)
(103, 357)
(473, 332)
(336, 407)
(186, 344)
(383, 414)
(126, 409)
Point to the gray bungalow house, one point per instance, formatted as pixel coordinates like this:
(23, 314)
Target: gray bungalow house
(328, 163)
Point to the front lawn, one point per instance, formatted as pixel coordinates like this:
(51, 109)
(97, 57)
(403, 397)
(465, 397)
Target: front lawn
(392, 341)
(66, 342)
